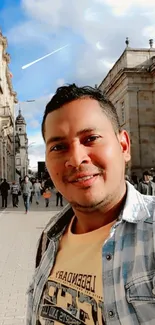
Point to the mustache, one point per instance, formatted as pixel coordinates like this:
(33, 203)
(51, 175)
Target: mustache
(75, 171)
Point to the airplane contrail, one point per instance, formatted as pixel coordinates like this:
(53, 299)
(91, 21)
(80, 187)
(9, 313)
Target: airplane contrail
(43, 57)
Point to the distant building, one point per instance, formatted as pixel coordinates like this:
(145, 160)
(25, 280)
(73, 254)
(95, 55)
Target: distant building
(7, 101)
(22, 161)
(42, 170)
(130, 85)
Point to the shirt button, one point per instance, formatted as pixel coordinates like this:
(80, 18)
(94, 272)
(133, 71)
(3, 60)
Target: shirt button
(111, 314)
(108, 257)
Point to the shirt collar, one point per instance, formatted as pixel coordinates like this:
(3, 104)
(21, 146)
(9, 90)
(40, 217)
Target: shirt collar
(136, 206)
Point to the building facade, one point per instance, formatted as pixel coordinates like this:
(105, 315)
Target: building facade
(22, 161)
(130, 85)
(7, 102)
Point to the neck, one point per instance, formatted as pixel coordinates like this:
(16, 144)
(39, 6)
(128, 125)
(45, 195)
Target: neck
(86, 222)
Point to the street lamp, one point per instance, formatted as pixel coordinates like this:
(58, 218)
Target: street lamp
(27, 162)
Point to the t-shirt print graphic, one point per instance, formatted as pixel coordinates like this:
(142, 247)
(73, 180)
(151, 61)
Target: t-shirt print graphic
(74, 292)
(75, 303)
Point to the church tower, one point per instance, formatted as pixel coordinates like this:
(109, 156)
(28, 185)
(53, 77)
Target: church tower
(22, 156)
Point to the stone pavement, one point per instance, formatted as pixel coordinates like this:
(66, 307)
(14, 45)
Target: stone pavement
(19, 234)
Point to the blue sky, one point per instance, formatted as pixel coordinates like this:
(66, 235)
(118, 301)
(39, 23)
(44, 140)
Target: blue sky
(95, 31)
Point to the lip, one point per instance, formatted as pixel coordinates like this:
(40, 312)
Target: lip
(79, 182)
(81, 175)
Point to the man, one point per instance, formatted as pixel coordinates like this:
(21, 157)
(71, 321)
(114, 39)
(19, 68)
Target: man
(145, 186)
(15, 192)
(59, 197)
(95, 260)
(4, 188)
(37, 190)
(26, 188)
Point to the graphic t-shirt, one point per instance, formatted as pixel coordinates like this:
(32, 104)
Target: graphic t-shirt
(74, 290)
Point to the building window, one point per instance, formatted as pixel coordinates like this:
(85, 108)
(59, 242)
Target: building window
(18, 161)
(122, 112)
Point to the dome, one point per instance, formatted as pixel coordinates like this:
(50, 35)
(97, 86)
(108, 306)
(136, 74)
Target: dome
(20, 119)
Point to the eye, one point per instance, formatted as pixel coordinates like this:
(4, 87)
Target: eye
(91, 138)
(58, 147)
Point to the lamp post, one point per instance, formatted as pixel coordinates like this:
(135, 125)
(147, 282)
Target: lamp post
(26, 155)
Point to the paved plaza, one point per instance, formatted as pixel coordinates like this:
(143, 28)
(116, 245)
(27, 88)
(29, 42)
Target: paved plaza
(19, 234)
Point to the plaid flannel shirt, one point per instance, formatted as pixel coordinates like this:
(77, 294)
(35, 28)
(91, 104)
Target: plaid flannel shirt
(128, 259)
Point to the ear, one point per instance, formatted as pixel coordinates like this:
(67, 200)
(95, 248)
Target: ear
(124, 141)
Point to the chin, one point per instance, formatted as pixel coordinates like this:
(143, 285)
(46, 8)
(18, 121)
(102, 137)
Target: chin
(87, 205)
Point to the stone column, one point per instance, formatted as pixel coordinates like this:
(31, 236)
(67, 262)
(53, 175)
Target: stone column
(5, 160)
(1, 158)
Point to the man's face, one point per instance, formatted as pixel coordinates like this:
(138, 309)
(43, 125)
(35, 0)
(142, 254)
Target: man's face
(147, 178)
(84, 157)
(26, 179)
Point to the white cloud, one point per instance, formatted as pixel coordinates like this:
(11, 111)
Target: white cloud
(31, 110)
(60, 82)
(99, 46)
(27, 31)
(34, 158)
(35, 139)
(107, 64)
(121, 7)
(90, 15)
(149, 31)
(34, 124)
(36, 149)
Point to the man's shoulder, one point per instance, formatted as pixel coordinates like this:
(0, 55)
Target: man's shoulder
(149, 202)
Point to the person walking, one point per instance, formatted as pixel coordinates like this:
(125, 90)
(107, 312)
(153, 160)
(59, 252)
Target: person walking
(59, 198)
(95, 259)
(4, 188)
(47, 195)
(37, 190)
(145, 186)
(26, 188)
(15, 193)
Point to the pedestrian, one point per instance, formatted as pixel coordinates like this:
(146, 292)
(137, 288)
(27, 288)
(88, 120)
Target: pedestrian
(145, 186)
(32, 192)
(59, 198)
(153, 186)
(37, 190)
(95, 260)
(26, 188)
(15, 193)
(4, 188)
(47, 195)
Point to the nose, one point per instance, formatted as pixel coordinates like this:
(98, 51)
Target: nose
(78, 155)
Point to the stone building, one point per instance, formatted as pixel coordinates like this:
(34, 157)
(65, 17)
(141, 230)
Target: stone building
(130, 85)
(22, 161)
(7, 101)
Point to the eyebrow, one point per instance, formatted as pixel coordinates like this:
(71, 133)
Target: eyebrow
(62, 138)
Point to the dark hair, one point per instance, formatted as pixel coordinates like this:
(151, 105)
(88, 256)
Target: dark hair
(67, 94)
(147, 173)
(26, 176)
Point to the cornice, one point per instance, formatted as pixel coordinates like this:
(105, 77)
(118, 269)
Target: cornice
(6, 57)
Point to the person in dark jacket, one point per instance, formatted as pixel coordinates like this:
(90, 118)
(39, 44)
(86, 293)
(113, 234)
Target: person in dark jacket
(4, 188)
(145, 185)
